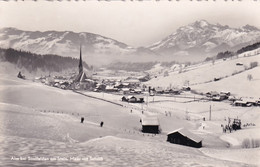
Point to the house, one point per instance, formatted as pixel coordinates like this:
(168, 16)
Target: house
(100, 87)
(241, 103)
(135, 99)
(225, 92)
(159, 90)
(184, 137)
(175, 91)
(138, 91)
(212, 94)
(150, 125)
(125, 91)
(251, 102)
(20, 75)
(186, 88)
(239, 64)
(220, 97)
(110, 89)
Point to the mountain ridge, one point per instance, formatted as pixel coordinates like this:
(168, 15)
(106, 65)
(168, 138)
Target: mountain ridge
(192, 42)
(201, 37)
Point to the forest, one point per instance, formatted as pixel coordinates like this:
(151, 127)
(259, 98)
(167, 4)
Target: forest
(33, 62)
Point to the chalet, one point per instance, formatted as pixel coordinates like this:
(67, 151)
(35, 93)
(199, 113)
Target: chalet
(186, 88)
(251, 102)
(110, 89)
(138, 91)
(241, 103)
(175, 91)
(184, 137)
(225, 93)
(119, 85)
(150, 125)
(159, 90)
(212, 94)
(239, 64)
(220, 97)
(135, 99)
(20, 75)
(126, 85)
(125, 91)
(100, 87)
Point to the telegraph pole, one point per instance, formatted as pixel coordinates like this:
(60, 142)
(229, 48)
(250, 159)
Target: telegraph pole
(210, 112)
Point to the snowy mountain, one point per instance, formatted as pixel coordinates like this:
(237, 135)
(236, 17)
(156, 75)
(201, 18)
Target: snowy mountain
(201, 39)
(193, 42)
(95, 48)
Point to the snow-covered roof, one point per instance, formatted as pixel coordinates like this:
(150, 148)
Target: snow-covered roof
(137, 90)
(187, 133)
(240, 102)
(125, 89)
(109, 87)
(150, 121)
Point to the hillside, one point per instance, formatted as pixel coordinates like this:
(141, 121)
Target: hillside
(42, 121)
(231, 74)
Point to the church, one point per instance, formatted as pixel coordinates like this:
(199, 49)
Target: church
(81, 81)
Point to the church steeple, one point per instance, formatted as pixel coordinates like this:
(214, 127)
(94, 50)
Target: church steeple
(80, 62)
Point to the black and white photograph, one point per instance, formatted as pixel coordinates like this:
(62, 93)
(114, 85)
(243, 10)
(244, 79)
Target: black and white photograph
(130, 83)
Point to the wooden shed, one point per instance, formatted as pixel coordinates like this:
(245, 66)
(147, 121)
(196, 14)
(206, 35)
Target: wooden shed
(184, 137)
(150, 125)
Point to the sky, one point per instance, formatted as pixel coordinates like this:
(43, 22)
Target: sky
(132, 22)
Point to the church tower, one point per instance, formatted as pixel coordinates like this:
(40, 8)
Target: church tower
(80, 62)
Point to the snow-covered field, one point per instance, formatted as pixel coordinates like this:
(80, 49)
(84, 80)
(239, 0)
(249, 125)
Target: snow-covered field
(40, 126)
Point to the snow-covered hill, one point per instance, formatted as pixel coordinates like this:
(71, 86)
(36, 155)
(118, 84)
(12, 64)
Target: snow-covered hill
(201, 39)
(232, 75)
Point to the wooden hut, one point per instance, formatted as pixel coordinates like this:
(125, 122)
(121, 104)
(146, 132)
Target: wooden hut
(184, 137)
(150, 125)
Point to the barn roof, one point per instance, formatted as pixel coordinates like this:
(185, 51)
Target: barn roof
(150, 121)
(186, 133)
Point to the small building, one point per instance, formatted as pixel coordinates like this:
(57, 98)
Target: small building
(212, 94)
(150, 125)
(135, 99)
(184, 137)
(251, 102)
(241, 103)
(186, 88)
(138, 91)
(159, 90)
(125, 91)
(110, 88)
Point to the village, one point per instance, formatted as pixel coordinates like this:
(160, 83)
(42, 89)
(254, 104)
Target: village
(132, 92)
(112, 114)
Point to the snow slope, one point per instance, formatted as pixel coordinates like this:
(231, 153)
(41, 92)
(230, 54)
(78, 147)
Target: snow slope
(232, 77)
(43, 122)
